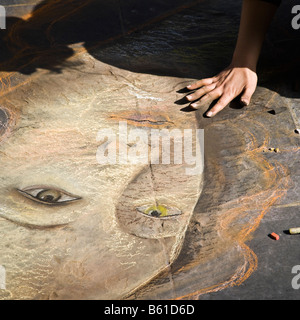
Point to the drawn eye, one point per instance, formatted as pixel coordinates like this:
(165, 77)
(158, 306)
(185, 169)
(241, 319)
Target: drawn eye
(49, 196)
(159, 211)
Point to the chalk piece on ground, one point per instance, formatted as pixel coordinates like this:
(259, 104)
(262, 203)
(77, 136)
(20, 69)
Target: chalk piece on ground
(274, 236)
(294, 230)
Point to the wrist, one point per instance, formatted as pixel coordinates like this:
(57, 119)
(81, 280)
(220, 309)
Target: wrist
(244, 61)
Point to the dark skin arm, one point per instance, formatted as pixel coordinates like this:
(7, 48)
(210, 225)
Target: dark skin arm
(239, 78)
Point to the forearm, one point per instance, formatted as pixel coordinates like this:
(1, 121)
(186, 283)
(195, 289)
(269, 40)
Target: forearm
(240, 78)
(255, 19)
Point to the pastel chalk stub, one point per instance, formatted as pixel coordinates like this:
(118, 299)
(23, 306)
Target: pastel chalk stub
(294, 230)
(274, 236)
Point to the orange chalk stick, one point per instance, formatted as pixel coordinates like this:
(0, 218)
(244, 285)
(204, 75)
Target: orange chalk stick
(274, 235)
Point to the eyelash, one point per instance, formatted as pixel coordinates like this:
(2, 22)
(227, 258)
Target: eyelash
(48, 196)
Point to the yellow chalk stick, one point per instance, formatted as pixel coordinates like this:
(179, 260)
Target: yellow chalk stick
(294, 230)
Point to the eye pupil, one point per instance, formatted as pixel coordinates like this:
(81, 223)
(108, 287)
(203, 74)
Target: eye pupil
(49, 195)
(155, 213)
(48, 198)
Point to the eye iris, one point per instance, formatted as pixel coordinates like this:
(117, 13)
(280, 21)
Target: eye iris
(49, 195)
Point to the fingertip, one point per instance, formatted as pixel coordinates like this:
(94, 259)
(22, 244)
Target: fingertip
(216, 109)
(244, 102)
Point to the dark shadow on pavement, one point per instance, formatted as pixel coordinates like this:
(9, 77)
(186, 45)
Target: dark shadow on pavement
(195, 41)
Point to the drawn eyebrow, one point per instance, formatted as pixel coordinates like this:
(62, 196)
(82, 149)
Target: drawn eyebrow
(7, 121)
(143, 119)
(4, 120)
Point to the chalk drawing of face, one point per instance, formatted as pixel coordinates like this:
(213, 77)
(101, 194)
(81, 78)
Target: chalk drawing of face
(67, 233)
(74, 228)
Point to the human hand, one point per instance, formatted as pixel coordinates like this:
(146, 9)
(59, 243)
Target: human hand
(226, 86)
